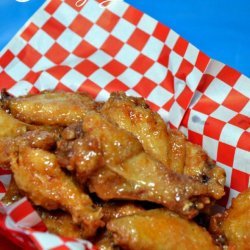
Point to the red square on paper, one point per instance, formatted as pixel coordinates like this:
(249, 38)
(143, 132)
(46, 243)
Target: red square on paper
(144, 87)
(235, 101)
(112, 45)
(161, 32)
(6, 58)
(133, 15)
(29, 32)
(84, 49)
(206, 105)
(167, 106)
(138, 39)
(185, 118)
(195, 137)
(244, 141)
(184, 69)
(241, 121)
(86, 67)
(52, 6)
(116, 85)
(185, 97)
(142, 63)
(58, 71)
(108, 20)
(239, 180)
(228, 75)
(21, 211)
(152, 106)
(29, 56)
(164, 56)
(226, 154)
(205, 82)
(213, 128)
(90, 88)
(181, 46)
(202, 61)
(53, 28)
(168, 82)
(115, 68)
(57, 54)
(6, 81)
(81, 25)
(32, 76)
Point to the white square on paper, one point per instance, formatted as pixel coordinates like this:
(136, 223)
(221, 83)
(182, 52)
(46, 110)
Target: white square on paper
(164, 114)
(171, 39)
(41, 41)
(217, 90)
(20, 88)
(153, 48)
(100, 58)
(197, 121)
(118, 7)
(127, 55)
(40, 18)
(214, 67)
(73, 80)
(46, 82)
(223, 113)
(96, 36)
(102, 96)
(47, 240)
(130, 77)
(210, 146)
(147, 24)
(42, 64)
(176, 114)
(193, 79)
(174, 62)
(230, 134)
(243, 85)
(16, 45)
(246, 110)
(123, 30)
(92, 10)
(69, 40)
(65, 14)
(156, 73)
(101, 77)
(242, 160)
(17, 70)
(191, 54)
(159, 96)
(72, 60)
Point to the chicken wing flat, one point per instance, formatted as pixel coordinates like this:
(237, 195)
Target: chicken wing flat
(50, 108)
(170, 147)
(130, 173)
(233, 227)
(159, 229)
(38, 175)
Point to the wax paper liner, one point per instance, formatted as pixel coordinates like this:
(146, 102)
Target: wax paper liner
(100, 50)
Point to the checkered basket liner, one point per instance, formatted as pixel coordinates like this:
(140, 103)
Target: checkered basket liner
(100, 50)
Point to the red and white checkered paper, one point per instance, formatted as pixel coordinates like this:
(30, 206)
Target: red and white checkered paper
(101, 50)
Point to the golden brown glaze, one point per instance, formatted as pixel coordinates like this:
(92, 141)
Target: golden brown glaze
(51, 108)
(159, 230)
(233, 227)
(38, 175)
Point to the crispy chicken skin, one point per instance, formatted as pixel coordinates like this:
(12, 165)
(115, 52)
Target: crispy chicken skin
(159, 229)
(170, 147)
(38, 175)
(232, 228)
(130, 173)
(50, 108)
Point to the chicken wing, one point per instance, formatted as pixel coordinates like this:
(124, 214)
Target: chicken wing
(233, 227)
(130, 173)
(159, 230)
(38, 175)
(170, 147)
(50, 108)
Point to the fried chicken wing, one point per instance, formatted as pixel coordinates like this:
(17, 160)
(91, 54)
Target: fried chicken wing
(159, 230)
(51, 108)
(233, 227)
(170, 147)
(38, 175)
(130, 173)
